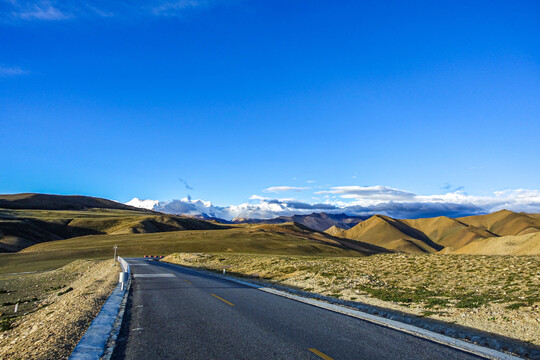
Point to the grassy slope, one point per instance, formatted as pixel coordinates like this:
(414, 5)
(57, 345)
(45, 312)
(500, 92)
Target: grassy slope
(527, 244)
(22, 228)
(283, 239)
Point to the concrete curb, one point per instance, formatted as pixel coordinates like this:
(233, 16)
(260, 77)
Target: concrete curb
(102, 332)
(490, 347)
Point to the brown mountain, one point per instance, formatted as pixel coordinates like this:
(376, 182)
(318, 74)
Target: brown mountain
(474, 234)
(336, 231)
(392, 234)
(448, 232)
(316, 221)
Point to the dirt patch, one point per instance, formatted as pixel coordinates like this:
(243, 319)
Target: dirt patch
(498, 294)
(68, 299)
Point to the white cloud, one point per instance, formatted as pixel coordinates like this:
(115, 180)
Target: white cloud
(310, 181)
(41, 11)
(511, 199)
(257, 197)
(377, 193)
(172, 8)
(54, 10)
(8, 71)
(275, 189)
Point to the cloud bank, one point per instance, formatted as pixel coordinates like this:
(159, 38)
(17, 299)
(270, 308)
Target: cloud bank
(360, 201)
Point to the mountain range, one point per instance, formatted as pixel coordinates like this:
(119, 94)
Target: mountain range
(316, 221)
(502, 232)
(29, 219)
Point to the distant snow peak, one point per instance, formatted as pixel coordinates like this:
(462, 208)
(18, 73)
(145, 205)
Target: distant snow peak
(144, 204)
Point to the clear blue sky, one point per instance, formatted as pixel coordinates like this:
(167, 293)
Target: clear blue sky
(233, 97)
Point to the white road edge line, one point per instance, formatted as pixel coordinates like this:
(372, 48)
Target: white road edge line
(396, 325)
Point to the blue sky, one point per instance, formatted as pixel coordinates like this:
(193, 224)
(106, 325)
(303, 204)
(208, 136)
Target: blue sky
(137, 99)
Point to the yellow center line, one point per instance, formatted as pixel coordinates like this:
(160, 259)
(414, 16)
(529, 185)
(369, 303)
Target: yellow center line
(189, 282)
(225, 301)
(320, 354)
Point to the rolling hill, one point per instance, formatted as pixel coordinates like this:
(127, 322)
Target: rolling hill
(29, 219)
(23, 230)
(277, 239)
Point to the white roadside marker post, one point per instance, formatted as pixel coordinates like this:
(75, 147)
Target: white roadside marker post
(223, 271)
(122, 279)
(115, 247)
(16, 307)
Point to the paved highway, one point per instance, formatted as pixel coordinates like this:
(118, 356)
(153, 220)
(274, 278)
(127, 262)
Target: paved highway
(174, 313)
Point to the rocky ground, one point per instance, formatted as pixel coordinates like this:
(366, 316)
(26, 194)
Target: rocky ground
(55, 308)
(498, 294)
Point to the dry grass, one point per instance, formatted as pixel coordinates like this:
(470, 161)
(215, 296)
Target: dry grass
(246, 240)
(68, 299)
(499, 294)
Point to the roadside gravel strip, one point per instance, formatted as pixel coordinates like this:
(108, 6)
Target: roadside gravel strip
(98, 341)
(52, 331)
(419, 327)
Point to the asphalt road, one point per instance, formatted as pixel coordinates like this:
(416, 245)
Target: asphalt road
(174, 313)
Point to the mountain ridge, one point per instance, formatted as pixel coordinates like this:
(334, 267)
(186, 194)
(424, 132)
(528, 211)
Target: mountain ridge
(316, 221)
(61, 202)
